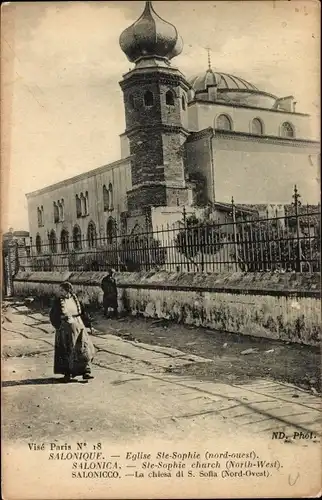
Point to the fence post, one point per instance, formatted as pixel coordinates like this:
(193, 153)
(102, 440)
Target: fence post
(186, 237)
(184, 213)
(235, 232)
(31, 254)
(297, 203)
(9, 272)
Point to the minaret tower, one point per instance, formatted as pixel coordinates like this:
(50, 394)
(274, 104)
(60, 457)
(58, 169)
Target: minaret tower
(155, 101)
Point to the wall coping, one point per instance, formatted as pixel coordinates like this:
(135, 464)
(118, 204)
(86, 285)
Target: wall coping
(271, 284)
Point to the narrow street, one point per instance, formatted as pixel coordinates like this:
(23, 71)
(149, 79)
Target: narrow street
(146, 388)
(176, 383)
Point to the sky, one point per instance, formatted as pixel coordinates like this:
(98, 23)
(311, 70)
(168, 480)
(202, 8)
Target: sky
(63, 107)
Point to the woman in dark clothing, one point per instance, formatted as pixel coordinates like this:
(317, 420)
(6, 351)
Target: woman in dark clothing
(74, 350)
(109, 288)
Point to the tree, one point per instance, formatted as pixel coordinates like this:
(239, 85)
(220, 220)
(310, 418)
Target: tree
(264, 245)
(198, 237)
(141, 252)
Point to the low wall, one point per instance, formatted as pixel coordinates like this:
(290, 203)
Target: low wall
(277, 306)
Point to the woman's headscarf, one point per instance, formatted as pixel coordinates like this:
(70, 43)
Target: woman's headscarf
(68, 287)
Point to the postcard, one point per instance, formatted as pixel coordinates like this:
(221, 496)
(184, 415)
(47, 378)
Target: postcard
(161, 319)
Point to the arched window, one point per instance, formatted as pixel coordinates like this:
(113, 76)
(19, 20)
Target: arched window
(91, 235)
(83, 204)
(56, 213)
(86, 203)
(257, 127)
(287, 130)
(169, 98)
(224, 122)
(40, 216)
(38, 244)
(111, 231)
(183, 102)
(78, 207)
(64, 240)
(110, 190)
(61, 210)
(77, 238)
(106, 198)
(52, 242)
(148, 98)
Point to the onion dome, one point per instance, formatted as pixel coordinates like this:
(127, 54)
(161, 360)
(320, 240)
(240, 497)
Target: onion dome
(150, 36)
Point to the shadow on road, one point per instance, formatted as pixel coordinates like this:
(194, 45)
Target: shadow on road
(34, 381)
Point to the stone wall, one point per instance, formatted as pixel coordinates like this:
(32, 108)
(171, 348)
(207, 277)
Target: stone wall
(278, 306)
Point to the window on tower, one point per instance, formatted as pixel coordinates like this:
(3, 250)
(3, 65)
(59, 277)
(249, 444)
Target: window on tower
(131, 102)
(169, 98)
(148, 98)
(183, 103)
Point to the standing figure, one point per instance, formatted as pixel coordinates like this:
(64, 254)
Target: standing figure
(74, 350)
(109, 288)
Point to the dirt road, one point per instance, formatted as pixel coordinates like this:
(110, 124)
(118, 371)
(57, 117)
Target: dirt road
(142, 387)
(162, 393)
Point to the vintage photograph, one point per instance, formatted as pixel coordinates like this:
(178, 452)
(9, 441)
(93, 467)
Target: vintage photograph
(161, 258)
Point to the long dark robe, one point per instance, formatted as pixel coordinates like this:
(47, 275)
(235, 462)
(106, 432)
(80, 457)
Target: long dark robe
(109, 288)
(74, 350)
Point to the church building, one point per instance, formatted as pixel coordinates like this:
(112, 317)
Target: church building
(189, 141)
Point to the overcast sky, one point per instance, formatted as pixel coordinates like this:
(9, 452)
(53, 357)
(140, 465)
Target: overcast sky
(63, 64)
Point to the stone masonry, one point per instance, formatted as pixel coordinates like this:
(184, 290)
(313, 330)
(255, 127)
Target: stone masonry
(155, 108)
(282, 307)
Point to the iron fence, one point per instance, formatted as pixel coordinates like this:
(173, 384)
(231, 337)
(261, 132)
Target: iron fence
(241, 242)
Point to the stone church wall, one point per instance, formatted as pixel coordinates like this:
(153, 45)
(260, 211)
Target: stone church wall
(282, 307)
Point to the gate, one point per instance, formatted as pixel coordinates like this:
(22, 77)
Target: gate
(9, 258)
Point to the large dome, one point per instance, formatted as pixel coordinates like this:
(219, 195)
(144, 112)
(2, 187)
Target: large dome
(212, 86)
(224, 81)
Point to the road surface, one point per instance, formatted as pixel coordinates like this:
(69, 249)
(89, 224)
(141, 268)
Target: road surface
(142, 391)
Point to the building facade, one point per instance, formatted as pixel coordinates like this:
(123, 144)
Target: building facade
(188, 142)
(85, 207)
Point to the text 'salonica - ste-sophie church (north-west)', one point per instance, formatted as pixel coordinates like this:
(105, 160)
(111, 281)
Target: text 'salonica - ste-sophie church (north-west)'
(188, 142)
